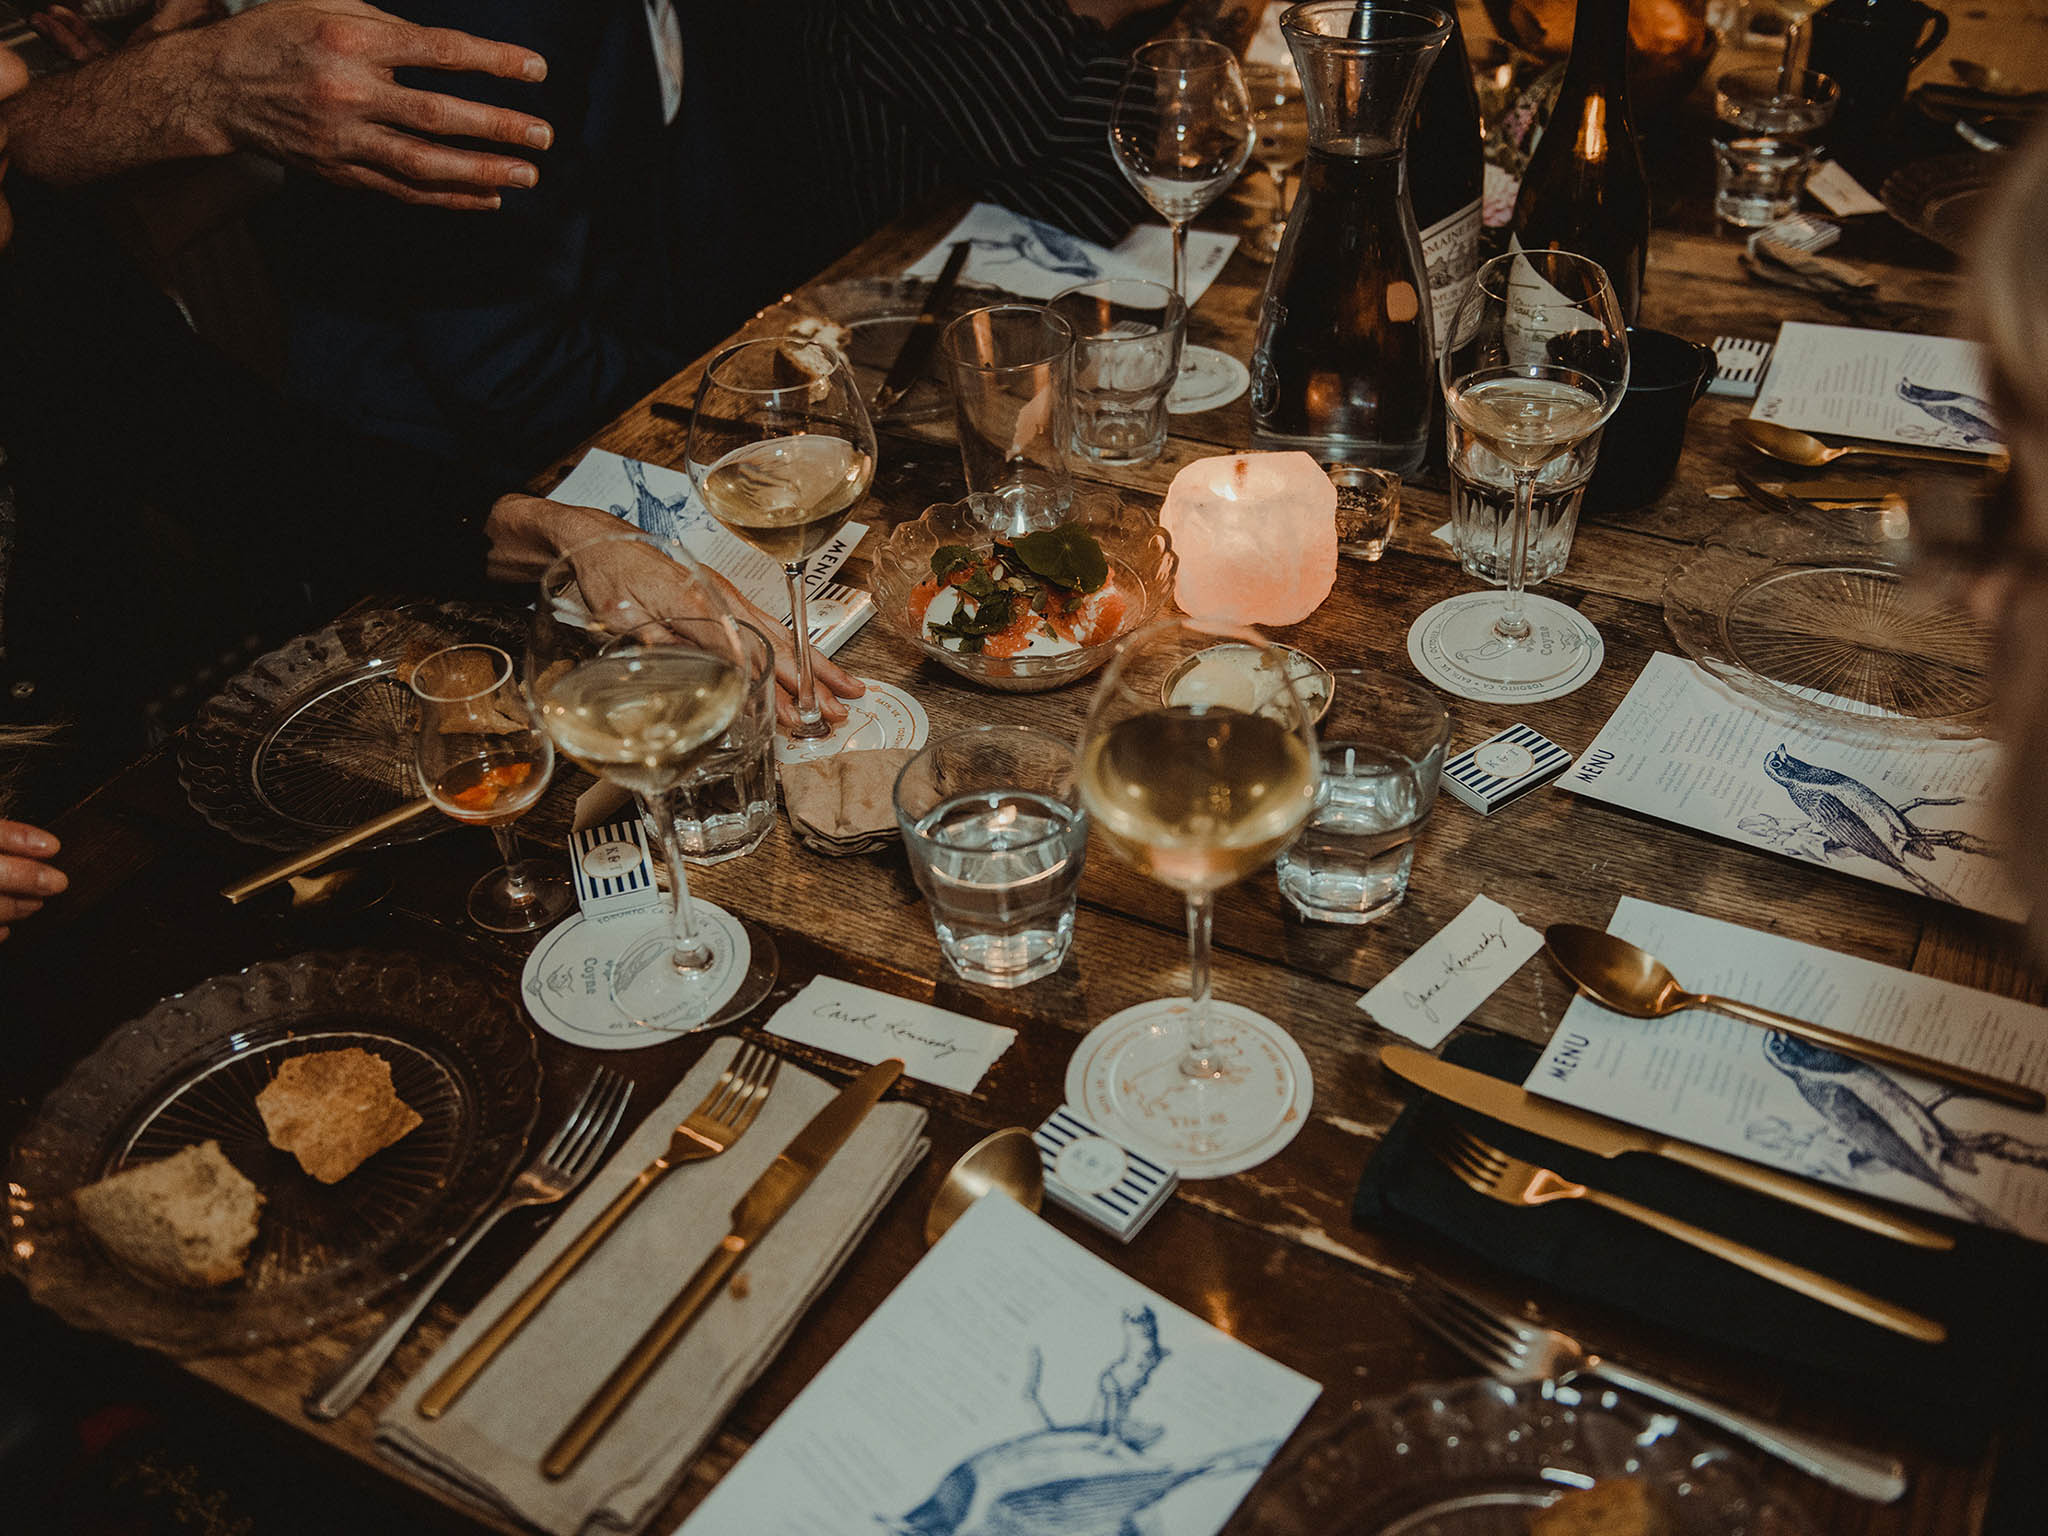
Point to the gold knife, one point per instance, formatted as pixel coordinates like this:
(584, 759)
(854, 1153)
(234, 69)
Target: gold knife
(1516, 1106)
(758, 1210)
(241, 890)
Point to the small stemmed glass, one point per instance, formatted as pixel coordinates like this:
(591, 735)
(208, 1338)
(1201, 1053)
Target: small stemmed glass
(1181, 128)
(482, 760)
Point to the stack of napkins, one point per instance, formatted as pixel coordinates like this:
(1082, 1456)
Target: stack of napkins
(488, 1446)
(845, 804)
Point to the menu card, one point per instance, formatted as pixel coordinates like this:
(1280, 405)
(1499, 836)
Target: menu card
(1762, 1095)
(1884, 386)
(1037, 261)
(1015, 1382)
(1916, 816)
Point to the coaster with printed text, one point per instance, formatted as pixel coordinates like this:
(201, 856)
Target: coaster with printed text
(567, 983)
(1455, 647)
(884, 716)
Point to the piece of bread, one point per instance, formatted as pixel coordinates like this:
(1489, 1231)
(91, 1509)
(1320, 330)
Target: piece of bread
(333, 1109)
(1614, 1506)
(188, 1218)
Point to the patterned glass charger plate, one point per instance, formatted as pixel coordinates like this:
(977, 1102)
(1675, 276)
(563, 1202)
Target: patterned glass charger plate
(1840, 641)
(874, 317)
(1941, 197)
(189, 1071)
(317, 736)
(1480, 1457)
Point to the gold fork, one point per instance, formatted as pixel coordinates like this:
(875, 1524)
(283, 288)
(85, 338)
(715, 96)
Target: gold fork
(709, 1129)
(1513, 1182)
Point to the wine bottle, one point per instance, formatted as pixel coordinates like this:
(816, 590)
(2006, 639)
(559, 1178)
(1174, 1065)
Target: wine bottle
(1585, 190)
(1446, 177)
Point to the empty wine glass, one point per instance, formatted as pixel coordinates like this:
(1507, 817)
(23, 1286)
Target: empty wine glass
(1536, 361)
(1181, 127)
(1280, 122)
(482, 760)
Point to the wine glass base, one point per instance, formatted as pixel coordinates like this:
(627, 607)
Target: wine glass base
(1126, 1077)
(652, 993)
(1208, 379)
(492, 907)
(567, 986)
(1455, 647)
(883, 716)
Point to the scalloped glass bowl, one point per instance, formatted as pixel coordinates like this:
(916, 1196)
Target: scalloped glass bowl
(1139, 552)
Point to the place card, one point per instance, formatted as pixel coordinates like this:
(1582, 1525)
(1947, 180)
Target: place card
(1034, 260)
(1756, 1093)
(1839, 192)
(1883, 386)
(935, 1045)
(1015, 1382)
(1435, 989)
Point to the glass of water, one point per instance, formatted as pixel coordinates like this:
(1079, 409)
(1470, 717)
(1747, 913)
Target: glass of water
(1128, 335)
(1382, 742)
(726, 804)
(996, 837)
(1483, 508)
(1764, 123)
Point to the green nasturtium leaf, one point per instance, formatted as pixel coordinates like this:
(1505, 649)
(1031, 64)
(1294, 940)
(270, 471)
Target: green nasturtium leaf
(949, 558)
(1067, 557)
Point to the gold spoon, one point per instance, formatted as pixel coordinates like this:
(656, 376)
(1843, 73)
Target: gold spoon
(1619, 975)
(1006, 1162)
(1804, 449)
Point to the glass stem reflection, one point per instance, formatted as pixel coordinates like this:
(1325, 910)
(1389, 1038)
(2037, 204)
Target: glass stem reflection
(519, 889)
(690, 954)
(1512, 625)
(1180, 256)
(810, 720)
(1199, 1060)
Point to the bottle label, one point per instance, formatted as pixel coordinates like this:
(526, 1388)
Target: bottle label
(1450, 250)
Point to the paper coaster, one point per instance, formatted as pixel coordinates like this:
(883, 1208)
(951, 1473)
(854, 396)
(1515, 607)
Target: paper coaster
(1565, 650)
(884, 716)
(1208, 378)
(1125, 1076)
(567, 984)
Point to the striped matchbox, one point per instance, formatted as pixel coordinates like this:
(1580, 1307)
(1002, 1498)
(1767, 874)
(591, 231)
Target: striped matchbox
(1099, 1181)
(1504, 767)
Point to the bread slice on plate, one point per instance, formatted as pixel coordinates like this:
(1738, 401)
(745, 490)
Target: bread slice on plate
(188, 1219)
(333, 1109)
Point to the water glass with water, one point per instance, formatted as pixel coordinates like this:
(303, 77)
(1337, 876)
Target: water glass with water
(1763, 141)
(1383, 742)
(1128, 335)
(726, 805)
(996, 837)
(1483, 508)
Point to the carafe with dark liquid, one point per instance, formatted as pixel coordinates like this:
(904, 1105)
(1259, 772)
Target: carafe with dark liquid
(1344, 363)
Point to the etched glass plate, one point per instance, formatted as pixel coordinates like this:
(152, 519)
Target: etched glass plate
(874, 317)
(189, 1071)
(1479, 1457)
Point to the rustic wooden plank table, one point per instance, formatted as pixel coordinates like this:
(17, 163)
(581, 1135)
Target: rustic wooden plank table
(1269, 1255)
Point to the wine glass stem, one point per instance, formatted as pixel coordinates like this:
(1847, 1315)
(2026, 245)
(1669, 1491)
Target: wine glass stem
(1798, 40)
(1279, 179)
(810, 720)
(1512, 625)
(690, 952)
(1199, 1059)
(1180, 256)
(518, 887)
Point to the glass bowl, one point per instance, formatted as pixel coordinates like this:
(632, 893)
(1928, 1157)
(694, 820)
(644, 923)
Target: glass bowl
(1141, 562)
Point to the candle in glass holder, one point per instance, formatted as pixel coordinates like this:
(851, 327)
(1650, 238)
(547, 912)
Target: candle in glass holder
(1256, 534)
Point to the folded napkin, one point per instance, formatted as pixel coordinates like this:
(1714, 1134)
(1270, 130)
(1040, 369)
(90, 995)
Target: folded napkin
(1949, 1396)
(845, 804)
(489, 1445)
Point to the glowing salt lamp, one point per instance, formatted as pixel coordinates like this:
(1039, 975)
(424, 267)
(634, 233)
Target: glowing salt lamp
(1257, 537)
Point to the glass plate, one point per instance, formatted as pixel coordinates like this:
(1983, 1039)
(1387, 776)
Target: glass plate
(1478, 1457)
(189, 1070)
(317, 736)
(1941, 198)
(877, 315)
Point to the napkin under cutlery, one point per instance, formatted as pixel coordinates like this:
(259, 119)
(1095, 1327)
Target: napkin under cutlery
(488, 1446)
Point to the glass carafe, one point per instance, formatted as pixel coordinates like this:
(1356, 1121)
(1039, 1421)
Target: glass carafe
(1344, 364)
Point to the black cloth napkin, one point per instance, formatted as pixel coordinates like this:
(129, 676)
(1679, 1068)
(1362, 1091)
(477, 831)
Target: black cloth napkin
(1991, 1290)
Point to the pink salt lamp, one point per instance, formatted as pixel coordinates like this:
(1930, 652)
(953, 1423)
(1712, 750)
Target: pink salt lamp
(1257, 537)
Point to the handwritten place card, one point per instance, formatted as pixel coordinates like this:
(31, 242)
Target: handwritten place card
(936, 1046)
(1435, 989)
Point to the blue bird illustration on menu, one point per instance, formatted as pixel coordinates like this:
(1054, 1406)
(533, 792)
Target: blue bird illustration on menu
(665, 517)
(1851, 817)
(1044, 246)
(1954, 409)
(1097, 1477)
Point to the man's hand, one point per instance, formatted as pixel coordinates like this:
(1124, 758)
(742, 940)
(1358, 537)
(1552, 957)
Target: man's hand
(25, 880)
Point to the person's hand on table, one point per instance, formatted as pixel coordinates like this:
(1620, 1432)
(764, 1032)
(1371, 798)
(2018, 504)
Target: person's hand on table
(26, 876)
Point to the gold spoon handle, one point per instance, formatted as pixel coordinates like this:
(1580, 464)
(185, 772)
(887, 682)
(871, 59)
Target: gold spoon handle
(2016, 1094)
(1929, 455)
(1822, 1288)
(320, 853)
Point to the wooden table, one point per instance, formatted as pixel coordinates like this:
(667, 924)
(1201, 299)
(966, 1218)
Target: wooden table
(1269, 1255)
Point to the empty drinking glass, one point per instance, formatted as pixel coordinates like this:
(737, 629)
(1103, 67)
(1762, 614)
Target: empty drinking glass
(1012, 371)
(726, 804)
(996, 837)
(1382, 741)
(1765, 120)
(1127, 343)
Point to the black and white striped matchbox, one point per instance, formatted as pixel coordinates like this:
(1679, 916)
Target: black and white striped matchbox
(1098, 1180)
(1504, 767)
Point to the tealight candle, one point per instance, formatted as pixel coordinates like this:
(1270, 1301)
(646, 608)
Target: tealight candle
(1257, 537)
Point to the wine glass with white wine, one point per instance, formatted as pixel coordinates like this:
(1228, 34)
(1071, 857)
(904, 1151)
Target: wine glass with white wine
(1197, 789)
(1181, 127)
(781, 450)
(635, 669)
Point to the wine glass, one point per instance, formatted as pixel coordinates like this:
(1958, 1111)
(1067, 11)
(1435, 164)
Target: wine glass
(636, 668)
(482, 760)
(1196, 793)
(1280, 123)
(781, 450)
(1536, 361)
(1181, 127)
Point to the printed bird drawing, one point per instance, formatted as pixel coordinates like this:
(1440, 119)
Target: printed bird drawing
(1853, 818)
(1043, 246)
(1094, 1478)
(1954, 409)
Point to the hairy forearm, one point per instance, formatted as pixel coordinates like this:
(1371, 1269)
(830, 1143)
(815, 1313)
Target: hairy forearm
(137, 107)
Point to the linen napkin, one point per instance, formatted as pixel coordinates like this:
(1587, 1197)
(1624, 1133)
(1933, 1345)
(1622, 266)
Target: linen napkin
(1948, 1397)
(488, 1446)
(845, 804)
